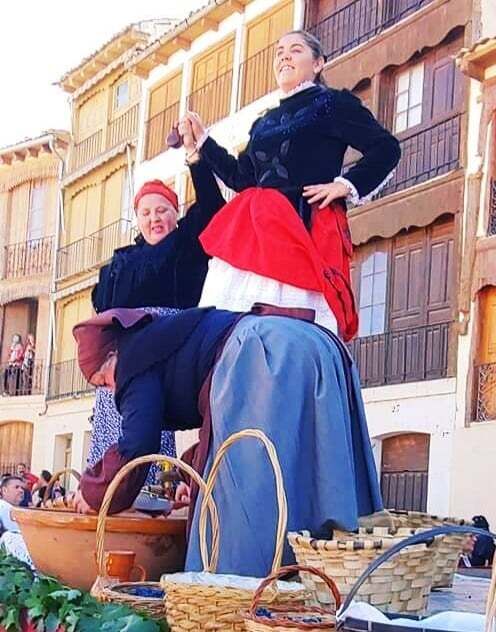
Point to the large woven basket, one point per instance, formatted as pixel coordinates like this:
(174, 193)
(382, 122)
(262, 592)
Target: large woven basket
(288, 619)
(449, 548)
(348, 623)
(194, 606)
(402, 584)
(106, 589)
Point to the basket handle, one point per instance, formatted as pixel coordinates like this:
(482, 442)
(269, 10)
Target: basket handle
(116, 481)
(281, 498)
(425, 537)
(330, 583)
(52, 481)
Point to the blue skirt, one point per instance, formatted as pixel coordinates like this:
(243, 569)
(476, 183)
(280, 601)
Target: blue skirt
(297, 383)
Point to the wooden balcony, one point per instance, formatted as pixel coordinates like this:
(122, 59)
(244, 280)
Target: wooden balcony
(28, 258)
(359, 21)
(257, 76)
(87, 150)
(491, 228)
(124, 127)
(94, 250)
(157, 129)
(20, 381)
(66, 380)
(213, 101)
(485, 393)
(408, 355)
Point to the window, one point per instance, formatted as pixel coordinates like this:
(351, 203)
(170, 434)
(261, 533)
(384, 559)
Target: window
(121, 95)
(408, 98)
(373, 284)
(35, 218)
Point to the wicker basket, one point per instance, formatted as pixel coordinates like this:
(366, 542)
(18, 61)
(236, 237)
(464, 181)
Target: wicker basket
(348, 623)
(282, 619)
(193, 607)
(449, 549)
(106, 589)
(401, 585)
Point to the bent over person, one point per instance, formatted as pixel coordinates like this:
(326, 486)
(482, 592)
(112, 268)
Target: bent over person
(271, 369)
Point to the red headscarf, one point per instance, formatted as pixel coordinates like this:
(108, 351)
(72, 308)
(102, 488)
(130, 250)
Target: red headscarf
(99, 335)
(158, 187)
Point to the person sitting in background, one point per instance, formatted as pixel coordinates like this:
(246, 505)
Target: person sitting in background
(28, 480)
(39, 488)
(483, 552)
(12, 490)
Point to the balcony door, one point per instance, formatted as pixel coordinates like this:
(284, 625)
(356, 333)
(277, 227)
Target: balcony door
(19, 318)
(405, 471)
(16, 440)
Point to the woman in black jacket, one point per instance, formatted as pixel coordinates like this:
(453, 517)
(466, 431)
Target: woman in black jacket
(163, 272)
(284, 238)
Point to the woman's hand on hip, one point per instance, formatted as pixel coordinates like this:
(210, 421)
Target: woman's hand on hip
(325, 193)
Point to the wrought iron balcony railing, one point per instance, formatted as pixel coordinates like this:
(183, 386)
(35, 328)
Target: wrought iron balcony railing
(95, 249)
(28, 258)
(257, 76)
(491, 229)
(213, 101)
(359, 22)
(19, 380)
(407, 355)
(87, 150)
(425, 154)
(157, 129)
(66, 380)
(485, 392)
(124, 127)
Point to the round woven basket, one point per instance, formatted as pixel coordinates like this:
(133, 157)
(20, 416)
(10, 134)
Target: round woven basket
(403, 584)
(62, 503)
(192, 606)
(284, 619)
(104, 588)
(449, 548)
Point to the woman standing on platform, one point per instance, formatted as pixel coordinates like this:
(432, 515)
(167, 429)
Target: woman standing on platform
(285, 238)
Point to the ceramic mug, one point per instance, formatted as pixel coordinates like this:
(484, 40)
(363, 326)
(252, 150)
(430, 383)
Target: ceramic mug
(120, 565)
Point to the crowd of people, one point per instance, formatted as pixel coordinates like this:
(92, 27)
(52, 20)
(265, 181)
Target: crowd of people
(18, 374)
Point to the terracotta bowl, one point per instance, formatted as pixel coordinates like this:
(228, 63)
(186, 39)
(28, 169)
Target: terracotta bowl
(62, 543)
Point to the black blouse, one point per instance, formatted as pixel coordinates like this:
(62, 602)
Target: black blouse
(303, 141)
(170, 273)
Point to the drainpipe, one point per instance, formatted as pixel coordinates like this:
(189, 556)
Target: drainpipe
(59, 225)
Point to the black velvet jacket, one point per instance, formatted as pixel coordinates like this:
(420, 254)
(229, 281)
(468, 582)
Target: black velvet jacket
(303, 141)
(171, 273)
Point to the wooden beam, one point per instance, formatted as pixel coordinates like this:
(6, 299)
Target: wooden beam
(19, 156)
(209, 23)
(159, 58)
(182, 42)
(236, 5)
(6, 159)
(45, 149)
(140, 70)
(33, 151)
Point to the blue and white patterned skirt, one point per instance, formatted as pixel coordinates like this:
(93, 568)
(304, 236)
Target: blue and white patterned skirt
(107, 421)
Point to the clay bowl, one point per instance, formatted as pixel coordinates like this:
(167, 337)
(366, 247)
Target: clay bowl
(62, 543)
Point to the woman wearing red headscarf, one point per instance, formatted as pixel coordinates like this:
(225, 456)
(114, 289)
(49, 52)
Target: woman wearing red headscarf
(167, 265)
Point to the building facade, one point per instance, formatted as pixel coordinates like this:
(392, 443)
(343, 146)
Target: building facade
(423, 270)
(29, 202)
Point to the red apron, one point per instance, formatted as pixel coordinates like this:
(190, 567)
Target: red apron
(260, 231)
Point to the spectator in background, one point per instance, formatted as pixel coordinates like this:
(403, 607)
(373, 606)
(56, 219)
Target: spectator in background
(12, 492)
(28, 480)
(28, 365)
(483, 552)
(39, 488)
(12, 375)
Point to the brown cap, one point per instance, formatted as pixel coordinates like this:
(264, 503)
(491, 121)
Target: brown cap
(100, 335)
